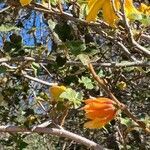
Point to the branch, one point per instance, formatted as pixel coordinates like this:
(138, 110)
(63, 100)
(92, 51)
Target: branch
(112, 39)
(130, 34)
(112, 64)
(74, 63)
(55, 13)
(123, 107)
(16, 59)
(37, 80)
(54, 131)
(4, 9)
(146, 37)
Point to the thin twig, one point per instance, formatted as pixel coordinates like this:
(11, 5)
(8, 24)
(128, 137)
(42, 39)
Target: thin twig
(146, 37)
(4, 9)
(112, 64)
(37, 80)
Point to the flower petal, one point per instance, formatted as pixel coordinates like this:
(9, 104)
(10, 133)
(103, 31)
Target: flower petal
(108, 12)
(94, 124)
(99, 100)
(144, 9)
(94, 7)
(130, 9)
(97, 106)
(99, 113)
(55, 91)
(25, 2)
(99, 122)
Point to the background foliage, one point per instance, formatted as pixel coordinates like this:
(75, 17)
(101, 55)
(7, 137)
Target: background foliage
(55, 44)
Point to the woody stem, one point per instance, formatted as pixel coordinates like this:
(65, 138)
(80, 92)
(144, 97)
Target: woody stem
(123, 107)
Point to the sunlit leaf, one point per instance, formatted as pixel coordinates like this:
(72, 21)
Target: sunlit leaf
(72, 96)
(87, 82)
(7, 28)
(84, 59)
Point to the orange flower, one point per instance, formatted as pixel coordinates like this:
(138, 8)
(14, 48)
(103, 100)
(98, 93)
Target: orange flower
(100, 111)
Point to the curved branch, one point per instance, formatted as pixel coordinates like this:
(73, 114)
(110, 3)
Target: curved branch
(54, 131)
(122, 106)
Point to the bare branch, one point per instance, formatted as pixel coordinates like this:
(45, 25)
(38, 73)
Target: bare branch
(37, 80)
(146, 37)
(54, 131)
(137, 46)
(112, 64)
(123, 107)
(74, 63)
(4, 9)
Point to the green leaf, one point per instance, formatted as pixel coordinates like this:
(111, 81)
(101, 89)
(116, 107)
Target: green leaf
(53, 2)
(87, 82)
(7, 28)
(76, 47)
(60, 61)
(64, 31)
(51, 24)
(101, 73)
(126, 121)
(72, 96)
(2, 69)
(22, 145)
(134, 16)
(145, 20)
(84, 59)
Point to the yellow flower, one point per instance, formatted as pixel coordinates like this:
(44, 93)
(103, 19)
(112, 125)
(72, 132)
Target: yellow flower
(56, 91)
(94, 7)
(144, 9)
(25, 2)
(109, 15)
(100, 111)
(108, 12)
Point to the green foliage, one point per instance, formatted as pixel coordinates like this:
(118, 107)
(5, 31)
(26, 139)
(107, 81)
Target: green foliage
(7, 28)
(145, 20)
(3, 69)
(142, 18)
(64, 31)
(57, 49)
(87, 82)
(72, 96)
(76, 47)
(84, 59)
